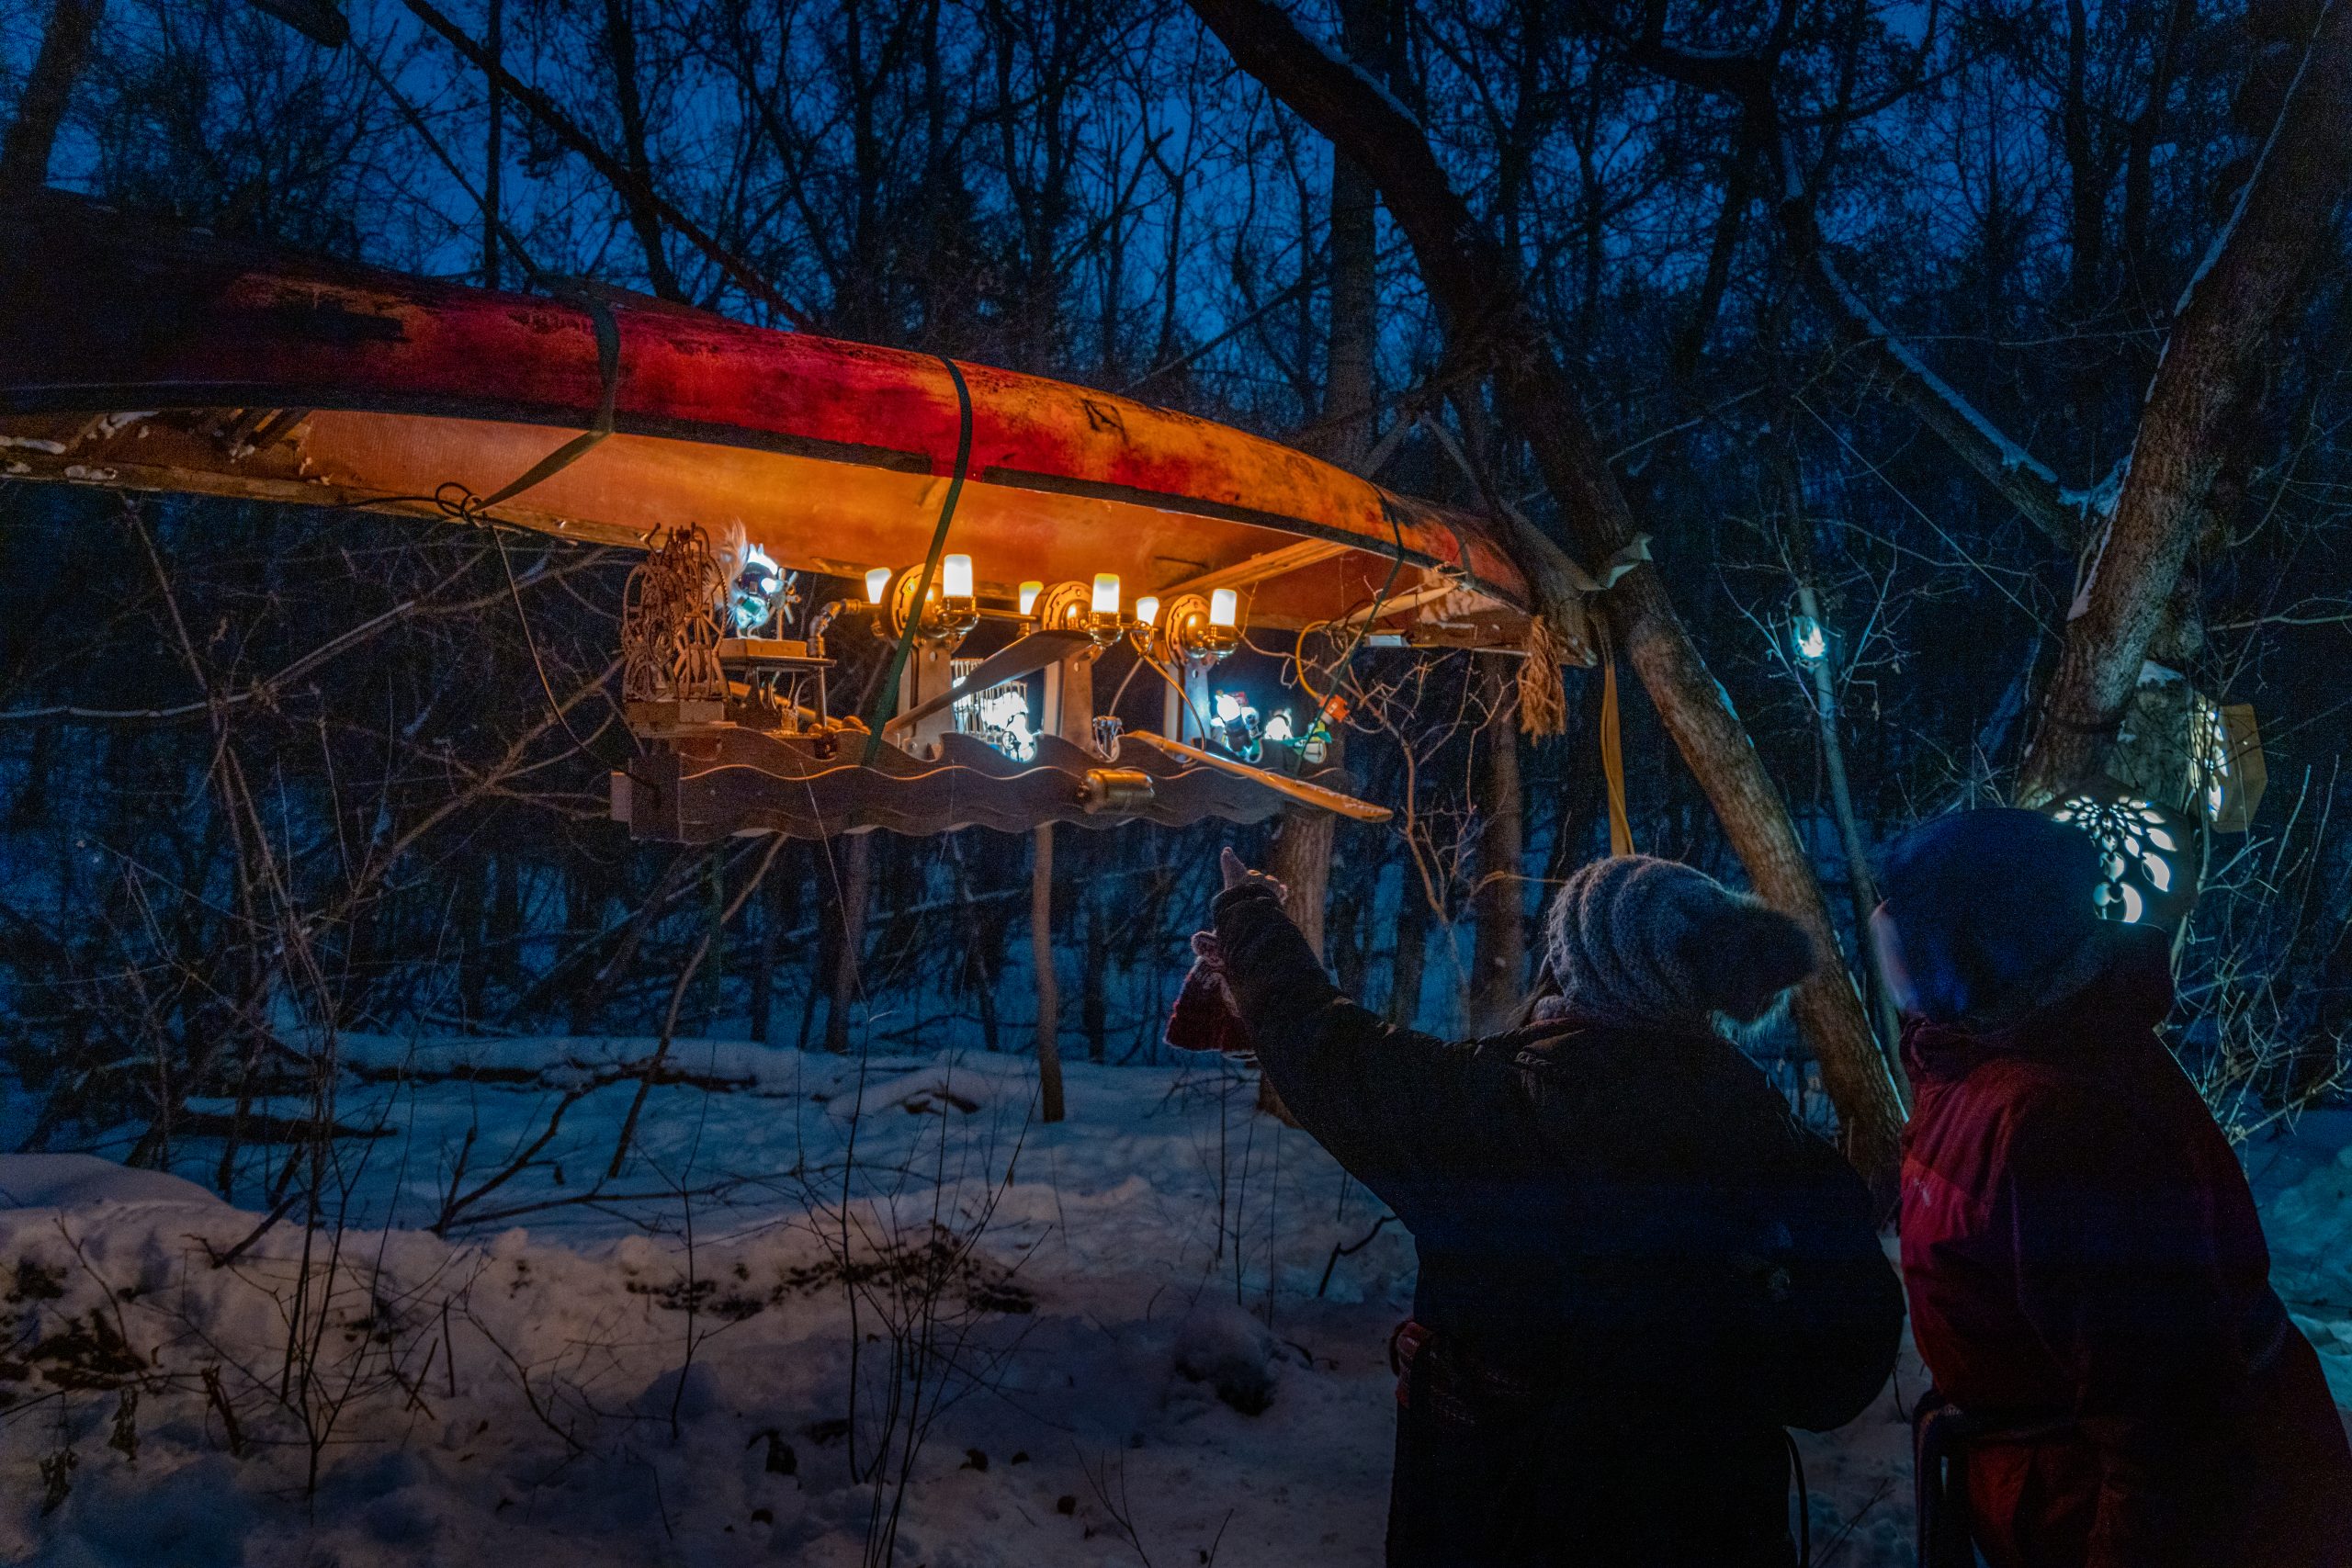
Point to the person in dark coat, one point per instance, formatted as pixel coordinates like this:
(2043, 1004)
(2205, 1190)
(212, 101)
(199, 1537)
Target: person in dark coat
(2088, 1276)
(1632, 1258)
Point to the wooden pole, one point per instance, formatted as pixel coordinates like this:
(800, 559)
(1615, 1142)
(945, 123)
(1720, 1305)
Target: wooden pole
(1041, 956)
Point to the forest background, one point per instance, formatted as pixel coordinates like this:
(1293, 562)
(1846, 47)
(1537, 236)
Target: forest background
(1865, 307)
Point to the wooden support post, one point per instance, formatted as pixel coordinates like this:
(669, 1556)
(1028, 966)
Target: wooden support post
(1040, 954)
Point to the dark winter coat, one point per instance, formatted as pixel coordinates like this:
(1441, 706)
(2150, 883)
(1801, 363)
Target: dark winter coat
(2083, 1256)
(1588, 1203)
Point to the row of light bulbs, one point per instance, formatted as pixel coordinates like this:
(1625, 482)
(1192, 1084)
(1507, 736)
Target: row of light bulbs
(956, 583)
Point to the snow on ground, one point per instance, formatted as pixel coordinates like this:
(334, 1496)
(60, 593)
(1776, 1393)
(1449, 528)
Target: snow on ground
(826, 1299)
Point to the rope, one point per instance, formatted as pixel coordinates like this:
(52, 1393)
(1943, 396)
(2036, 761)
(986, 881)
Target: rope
(887, 690)
(1613, 753)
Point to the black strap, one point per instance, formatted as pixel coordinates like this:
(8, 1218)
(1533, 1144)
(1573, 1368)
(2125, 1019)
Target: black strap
(887, 693)
(1804, 1502)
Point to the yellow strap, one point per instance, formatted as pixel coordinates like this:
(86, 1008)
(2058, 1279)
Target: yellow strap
(1612, 757)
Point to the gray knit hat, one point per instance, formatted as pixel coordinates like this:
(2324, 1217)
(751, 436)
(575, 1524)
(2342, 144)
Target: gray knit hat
(1637, 940)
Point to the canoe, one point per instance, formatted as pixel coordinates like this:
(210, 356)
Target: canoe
(146, 358)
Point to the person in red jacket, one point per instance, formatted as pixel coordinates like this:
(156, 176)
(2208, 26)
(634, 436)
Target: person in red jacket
(2116, 1385)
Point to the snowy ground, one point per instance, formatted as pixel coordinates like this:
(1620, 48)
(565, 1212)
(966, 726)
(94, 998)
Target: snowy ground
(826, 1300)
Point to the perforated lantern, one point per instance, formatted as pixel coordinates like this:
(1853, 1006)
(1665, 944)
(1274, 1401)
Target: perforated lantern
(2148, 859)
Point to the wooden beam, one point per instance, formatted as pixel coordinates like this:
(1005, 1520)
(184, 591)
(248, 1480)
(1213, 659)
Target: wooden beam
(1258, 569)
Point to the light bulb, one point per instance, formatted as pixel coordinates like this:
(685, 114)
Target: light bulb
(957, 570)
(1147, 610)
(1029, 592)
(877, 582)
(1106, 592)
(1225, 607)
(1812, 642)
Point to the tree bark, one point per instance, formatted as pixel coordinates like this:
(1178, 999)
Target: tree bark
(1301, 862)
(32, 135)
(1477, 290)
(2287, 212)
(1498, 946)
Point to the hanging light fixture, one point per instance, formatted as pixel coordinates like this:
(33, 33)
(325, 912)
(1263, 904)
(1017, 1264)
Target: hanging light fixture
(2148, 868)
(758, 591)
(1808, 640)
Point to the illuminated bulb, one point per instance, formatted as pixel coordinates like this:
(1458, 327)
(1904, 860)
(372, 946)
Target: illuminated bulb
(957, 570)
(877, 582)
(1225, 607)
(1106, 592)
(1147, 610)
(1281, 725)
(1812, 642)
(1229, 706)
(1029, 592)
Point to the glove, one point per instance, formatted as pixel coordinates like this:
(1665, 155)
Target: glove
(1204, 1017)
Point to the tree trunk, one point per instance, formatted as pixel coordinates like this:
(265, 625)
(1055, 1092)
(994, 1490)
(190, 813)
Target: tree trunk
(1094, 994)
(1411, 956)
(2287, 211)
(1301, 862)
(637, 196)
(856, 863)
(32, 135)
(1041, 957)
(1476, 288)
(493, 153)
(1498, 947)
(761, 1006)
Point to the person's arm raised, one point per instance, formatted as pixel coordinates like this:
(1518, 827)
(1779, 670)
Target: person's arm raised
(1377, 1096)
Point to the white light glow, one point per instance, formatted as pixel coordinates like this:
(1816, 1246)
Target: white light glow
(1147, 610)
(1280, 726)
(1225, 607)
(1106, 592)
(2133, 906)
(956, 577)
(1229, 706)
(876, 583)
(1812, 642)
(1029, 592)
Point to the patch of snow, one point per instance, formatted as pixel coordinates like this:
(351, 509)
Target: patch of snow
(77, 1181)
(1102, 1373)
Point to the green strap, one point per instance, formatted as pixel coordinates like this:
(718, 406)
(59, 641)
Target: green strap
(609, 369)
(877, 712)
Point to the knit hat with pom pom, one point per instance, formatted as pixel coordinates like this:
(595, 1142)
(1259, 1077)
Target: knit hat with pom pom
(1637, 940)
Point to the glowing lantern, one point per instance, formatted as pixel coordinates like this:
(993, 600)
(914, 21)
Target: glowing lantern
(956, 577)
(1225, 608)
(1029, 592)
(1232, 724)
(1147, 610)
(760, 590)
(2147, 865)
(1808, 639)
